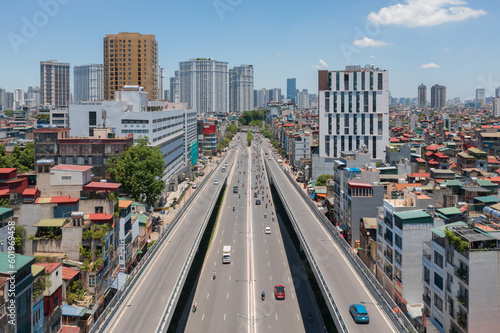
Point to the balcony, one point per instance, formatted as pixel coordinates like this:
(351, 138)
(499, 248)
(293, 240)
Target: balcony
(427, 301)
(464, 301)
(427, 250)
(462, 320)
(462, 274)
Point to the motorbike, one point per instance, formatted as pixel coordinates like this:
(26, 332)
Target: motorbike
(310, 318)
(233, 209)
(263, 295)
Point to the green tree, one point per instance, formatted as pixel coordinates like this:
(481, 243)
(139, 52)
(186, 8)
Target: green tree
(9, 113)
(19, 238)
(322, 179)
(140, 170)
(3, 151)
(43, 117)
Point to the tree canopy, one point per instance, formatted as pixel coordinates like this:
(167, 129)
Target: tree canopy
(23, 160)
(140, 170)
(322, 179)
(252, 118)
(249, 138)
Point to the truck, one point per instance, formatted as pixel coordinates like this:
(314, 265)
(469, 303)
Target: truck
(226, 254)
(300, 177)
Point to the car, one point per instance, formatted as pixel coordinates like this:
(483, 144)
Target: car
(257, 202)
(359, 313)
(216, 182)
(267, 230)
(279, 292)
(194, 185)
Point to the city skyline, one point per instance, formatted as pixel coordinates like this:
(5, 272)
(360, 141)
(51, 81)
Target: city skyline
(366, 33)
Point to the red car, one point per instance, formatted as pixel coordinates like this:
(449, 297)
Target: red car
(279, 292)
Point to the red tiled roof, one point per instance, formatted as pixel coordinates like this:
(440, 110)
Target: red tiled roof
(50, 267)
(72, 167)
(492, 160)
(98, 186)
(359, 184)
(7, 170)
(3, 281)
(433, 162)
(100, 217)
(66, 199)
(394, 140)
(421, 174)
(30, 191)
(70, 329)
(420, 160)
(441, 155)
(68, 273)
(4, 192)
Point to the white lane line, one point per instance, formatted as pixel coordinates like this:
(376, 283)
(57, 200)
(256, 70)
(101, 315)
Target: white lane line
(281, 251)
(267, 252)
(298, 317)
(202, 317)
(284, 263)
(270, 278)
(268, 263)
(222, 232)
(227, 295)
(288, 278)
(276, 315)
(293, 295)
(224, 316)
(208, 295)
(229, 277)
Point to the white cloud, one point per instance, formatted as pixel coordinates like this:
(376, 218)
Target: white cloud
(322, 65)
(429, 65)
(368, 42)
(420, 13)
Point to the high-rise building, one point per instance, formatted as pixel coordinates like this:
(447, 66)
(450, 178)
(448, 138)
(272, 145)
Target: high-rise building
(130, 59)
(204, 85)
(161, 95)
(422, 96)
(291, 89)
(2, 99)
(174, 88)
(438, 96)
(54, 83)
(88, 83)
(33, 96)
(18, 99)
(302, 99)
(480, 95)
(9, 100)
(497, 92)
(261, 98)
(496, 106)
(241, 88)
(353, 111)
(275, 95)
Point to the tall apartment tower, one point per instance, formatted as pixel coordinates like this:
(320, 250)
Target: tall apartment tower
(2, 99)
(497, 92)
(353, 111)
(291, 89)
(174, 88)
(438, 96)
(130, 59)
(496, 107)
(88, 83)
(204, 85)
(241, 88)
(54, 83)
(161, 92)
(275, 95)
(422, 96)
(480, 95)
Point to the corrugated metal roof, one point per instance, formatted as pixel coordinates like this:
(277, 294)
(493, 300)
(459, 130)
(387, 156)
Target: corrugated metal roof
(487, 199)
(414, 214)
(50, 223)
(449, 211)
(19, 262)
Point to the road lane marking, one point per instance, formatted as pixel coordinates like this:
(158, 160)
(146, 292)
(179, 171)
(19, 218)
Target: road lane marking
(227, 295)
(224, 316)
(268, 263)
(276, 315)
(298, 317)
(208, 295)
(202, 317)
(229, 277)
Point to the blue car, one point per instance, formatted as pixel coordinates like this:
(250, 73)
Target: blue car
(359, 313)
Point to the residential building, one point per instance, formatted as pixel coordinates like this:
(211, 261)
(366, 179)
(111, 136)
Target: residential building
(2, 99)
(422, 96)
(241, 88)
(33, 96)
(88, 83)
(23, 290)
(353, 111)
(209, 139)
(52, 297)
(38, 322)
(302, 100)
(291, 89)
(300, 150)
(438, 96)
(497, 92)
(402, 226)
(481, 95)
(54, 83)
(274, 95)
(161, 78)
(130, 59)
(460, 276)
(261, 98)
(496, 107)
(46, 142)
(174, 88)
(18, 99)
(204, 85)
(162, 123)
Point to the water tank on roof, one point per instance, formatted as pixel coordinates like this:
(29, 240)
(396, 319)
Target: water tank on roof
(488, 210)
(417, 189)
(430, 209)
(104, 181)
(474, 179)
(442, 185)
(375, 183)
(76, 214)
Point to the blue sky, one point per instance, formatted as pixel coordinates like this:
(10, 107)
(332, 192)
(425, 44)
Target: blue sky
(450, 42)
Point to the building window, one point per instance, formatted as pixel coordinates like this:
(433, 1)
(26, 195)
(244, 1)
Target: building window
(397, 274)
(371, 80)
(92, 281)
(92, 118)
(379, 81)
(438, 302)
(398, 257)
(99, 209)
(427, 275)
(355, 80)
(438, 280)
(374, 106)
(438, 259)
(337, 81)
(342, 106)
(335, 102)
(449, 257)
(398, 240)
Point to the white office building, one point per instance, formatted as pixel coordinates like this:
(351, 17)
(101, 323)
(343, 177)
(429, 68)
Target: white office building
(169, 127)
(302, 100)
(496, 106)
(353, 111)
(204, 85)
(241, 88)
(18, 99)
(174, 96)
(89, 83)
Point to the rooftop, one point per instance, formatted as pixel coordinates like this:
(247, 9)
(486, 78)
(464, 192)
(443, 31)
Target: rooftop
(19, 262)
(72, 167)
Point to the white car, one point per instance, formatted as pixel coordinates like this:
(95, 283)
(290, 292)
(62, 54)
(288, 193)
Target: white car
(216, 182)
(267, 230)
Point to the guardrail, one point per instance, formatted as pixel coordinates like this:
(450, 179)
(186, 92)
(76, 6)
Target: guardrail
(342, 327)
(104, 319)
(401, 322)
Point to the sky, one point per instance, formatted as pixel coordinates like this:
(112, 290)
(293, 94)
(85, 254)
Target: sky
(448, 42)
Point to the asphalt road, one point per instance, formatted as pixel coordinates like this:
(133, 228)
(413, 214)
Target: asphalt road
(144, 306)
(232, 301)
(341, 279)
